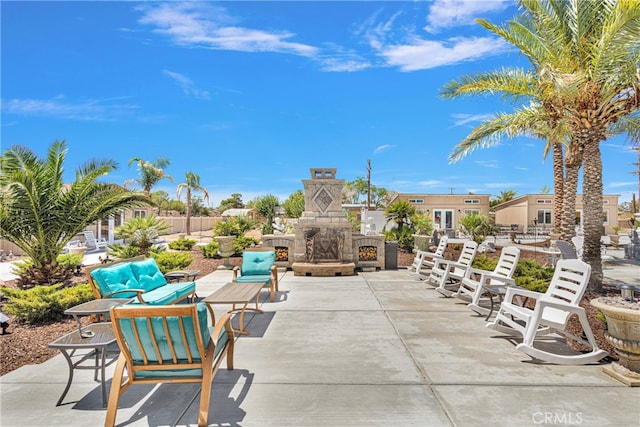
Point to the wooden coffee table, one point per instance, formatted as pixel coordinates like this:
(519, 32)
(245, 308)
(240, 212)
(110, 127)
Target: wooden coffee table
(239, 295)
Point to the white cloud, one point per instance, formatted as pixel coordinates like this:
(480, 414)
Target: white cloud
(622, 184)
(89, 110)
(382, 148)
(187, 85)
(449, 13)
(493, 164)
(198, 24)
(421, 54)
(430, 183)
(502, 185)
(462, 119)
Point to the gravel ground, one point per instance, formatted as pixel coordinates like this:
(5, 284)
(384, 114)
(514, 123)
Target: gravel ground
(27, 344)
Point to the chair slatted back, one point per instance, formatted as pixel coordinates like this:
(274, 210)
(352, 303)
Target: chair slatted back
(442, 246)
(507, 263)
(162, 338)
(467, 255)
(568, 285)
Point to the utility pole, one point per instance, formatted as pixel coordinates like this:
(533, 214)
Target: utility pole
(368, 184)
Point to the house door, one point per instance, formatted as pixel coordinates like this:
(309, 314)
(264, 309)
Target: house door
(443, 220)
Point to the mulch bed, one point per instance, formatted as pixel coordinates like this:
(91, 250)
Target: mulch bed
(27, 344)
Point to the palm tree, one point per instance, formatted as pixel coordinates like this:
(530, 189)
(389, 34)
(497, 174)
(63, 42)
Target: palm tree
(151, 172)
(41, 214)
(400, 212)
(585, 57)
(192, 183)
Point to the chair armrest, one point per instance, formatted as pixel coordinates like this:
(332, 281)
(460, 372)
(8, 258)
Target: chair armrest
(521, 292)
(223, 322)
(235, 271)
(489, 275)
(542, 303)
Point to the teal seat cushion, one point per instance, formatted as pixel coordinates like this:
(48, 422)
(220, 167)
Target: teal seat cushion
(256, 278)
(257, 262)
(148, 274)
(115, 278)
(182, 289)
(160, 296)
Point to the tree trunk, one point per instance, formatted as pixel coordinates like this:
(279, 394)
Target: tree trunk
(188, 212)
(573, 162)
(592, 201)
(558, 186)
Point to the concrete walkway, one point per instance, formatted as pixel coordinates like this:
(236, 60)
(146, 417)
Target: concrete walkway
(378, 348)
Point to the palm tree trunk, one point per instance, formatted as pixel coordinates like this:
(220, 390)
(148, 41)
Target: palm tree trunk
(188, 212)
(573, 162)
(558, 186)
(592, 201)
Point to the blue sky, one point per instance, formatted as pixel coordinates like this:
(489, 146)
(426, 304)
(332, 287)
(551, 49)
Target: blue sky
(251, 95)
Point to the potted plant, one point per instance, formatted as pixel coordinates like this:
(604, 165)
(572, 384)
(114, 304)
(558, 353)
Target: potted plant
(422, 227)
(622, 314)
(615, 237)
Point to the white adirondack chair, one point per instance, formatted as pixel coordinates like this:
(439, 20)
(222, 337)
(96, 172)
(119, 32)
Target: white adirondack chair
(93, 243)
(447, 275)
(480, 283)
(551, 314)
(423, 262)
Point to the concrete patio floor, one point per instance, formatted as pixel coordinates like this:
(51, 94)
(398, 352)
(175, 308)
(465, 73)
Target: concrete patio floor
(379, 348)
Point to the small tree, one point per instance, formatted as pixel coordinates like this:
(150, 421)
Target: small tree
(141, 234)
(266, 207)
(192, 183)
(294, 205)
(400, 212)
(476, 225)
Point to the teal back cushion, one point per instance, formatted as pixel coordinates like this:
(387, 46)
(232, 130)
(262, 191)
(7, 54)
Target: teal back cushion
(115, 278)
(258, 262)
(148, 274)
(162, 338)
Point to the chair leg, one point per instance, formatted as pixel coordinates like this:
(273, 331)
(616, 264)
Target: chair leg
(114, 394)
(205, 392)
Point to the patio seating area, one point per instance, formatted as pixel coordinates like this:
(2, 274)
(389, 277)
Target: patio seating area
(376, 348)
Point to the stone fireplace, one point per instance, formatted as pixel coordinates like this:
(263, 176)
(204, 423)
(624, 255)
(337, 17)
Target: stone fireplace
(323, 235)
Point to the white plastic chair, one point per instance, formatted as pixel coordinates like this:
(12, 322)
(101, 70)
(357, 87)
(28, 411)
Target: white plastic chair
(551, 314)
(93, 243)
(479, 283)
(424, 260)
(578, 244)
(447, 275)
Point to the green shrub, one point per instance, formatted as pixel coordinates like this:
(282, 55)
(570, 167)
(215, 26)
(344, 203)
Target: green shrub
(483, 262)
(210, 250)
(182, 244)
(70, 260)
(403, 236)
(532, 284)
(169, 261)
(42, 304)
(242, 242)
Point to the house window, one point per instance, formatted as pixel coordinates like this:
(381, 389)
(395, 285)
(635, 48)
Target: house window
(468, 211)
(544, 216)
(544, 201)
(471, 201)
(605, 217)
(139, 213)
(416, 201)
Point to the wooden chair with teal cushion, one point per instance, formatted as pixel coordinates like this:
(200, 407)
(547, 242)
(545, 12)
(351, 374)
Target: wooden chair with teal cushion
(258, 266)
(168, 344)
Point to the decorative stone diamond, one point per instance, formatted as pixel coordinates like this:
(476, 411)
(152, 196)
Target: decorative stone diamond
(323, 199)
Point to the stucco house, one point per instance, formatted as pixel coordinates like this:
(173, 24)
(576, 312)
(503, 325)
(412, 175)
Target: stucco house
(532, 210)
